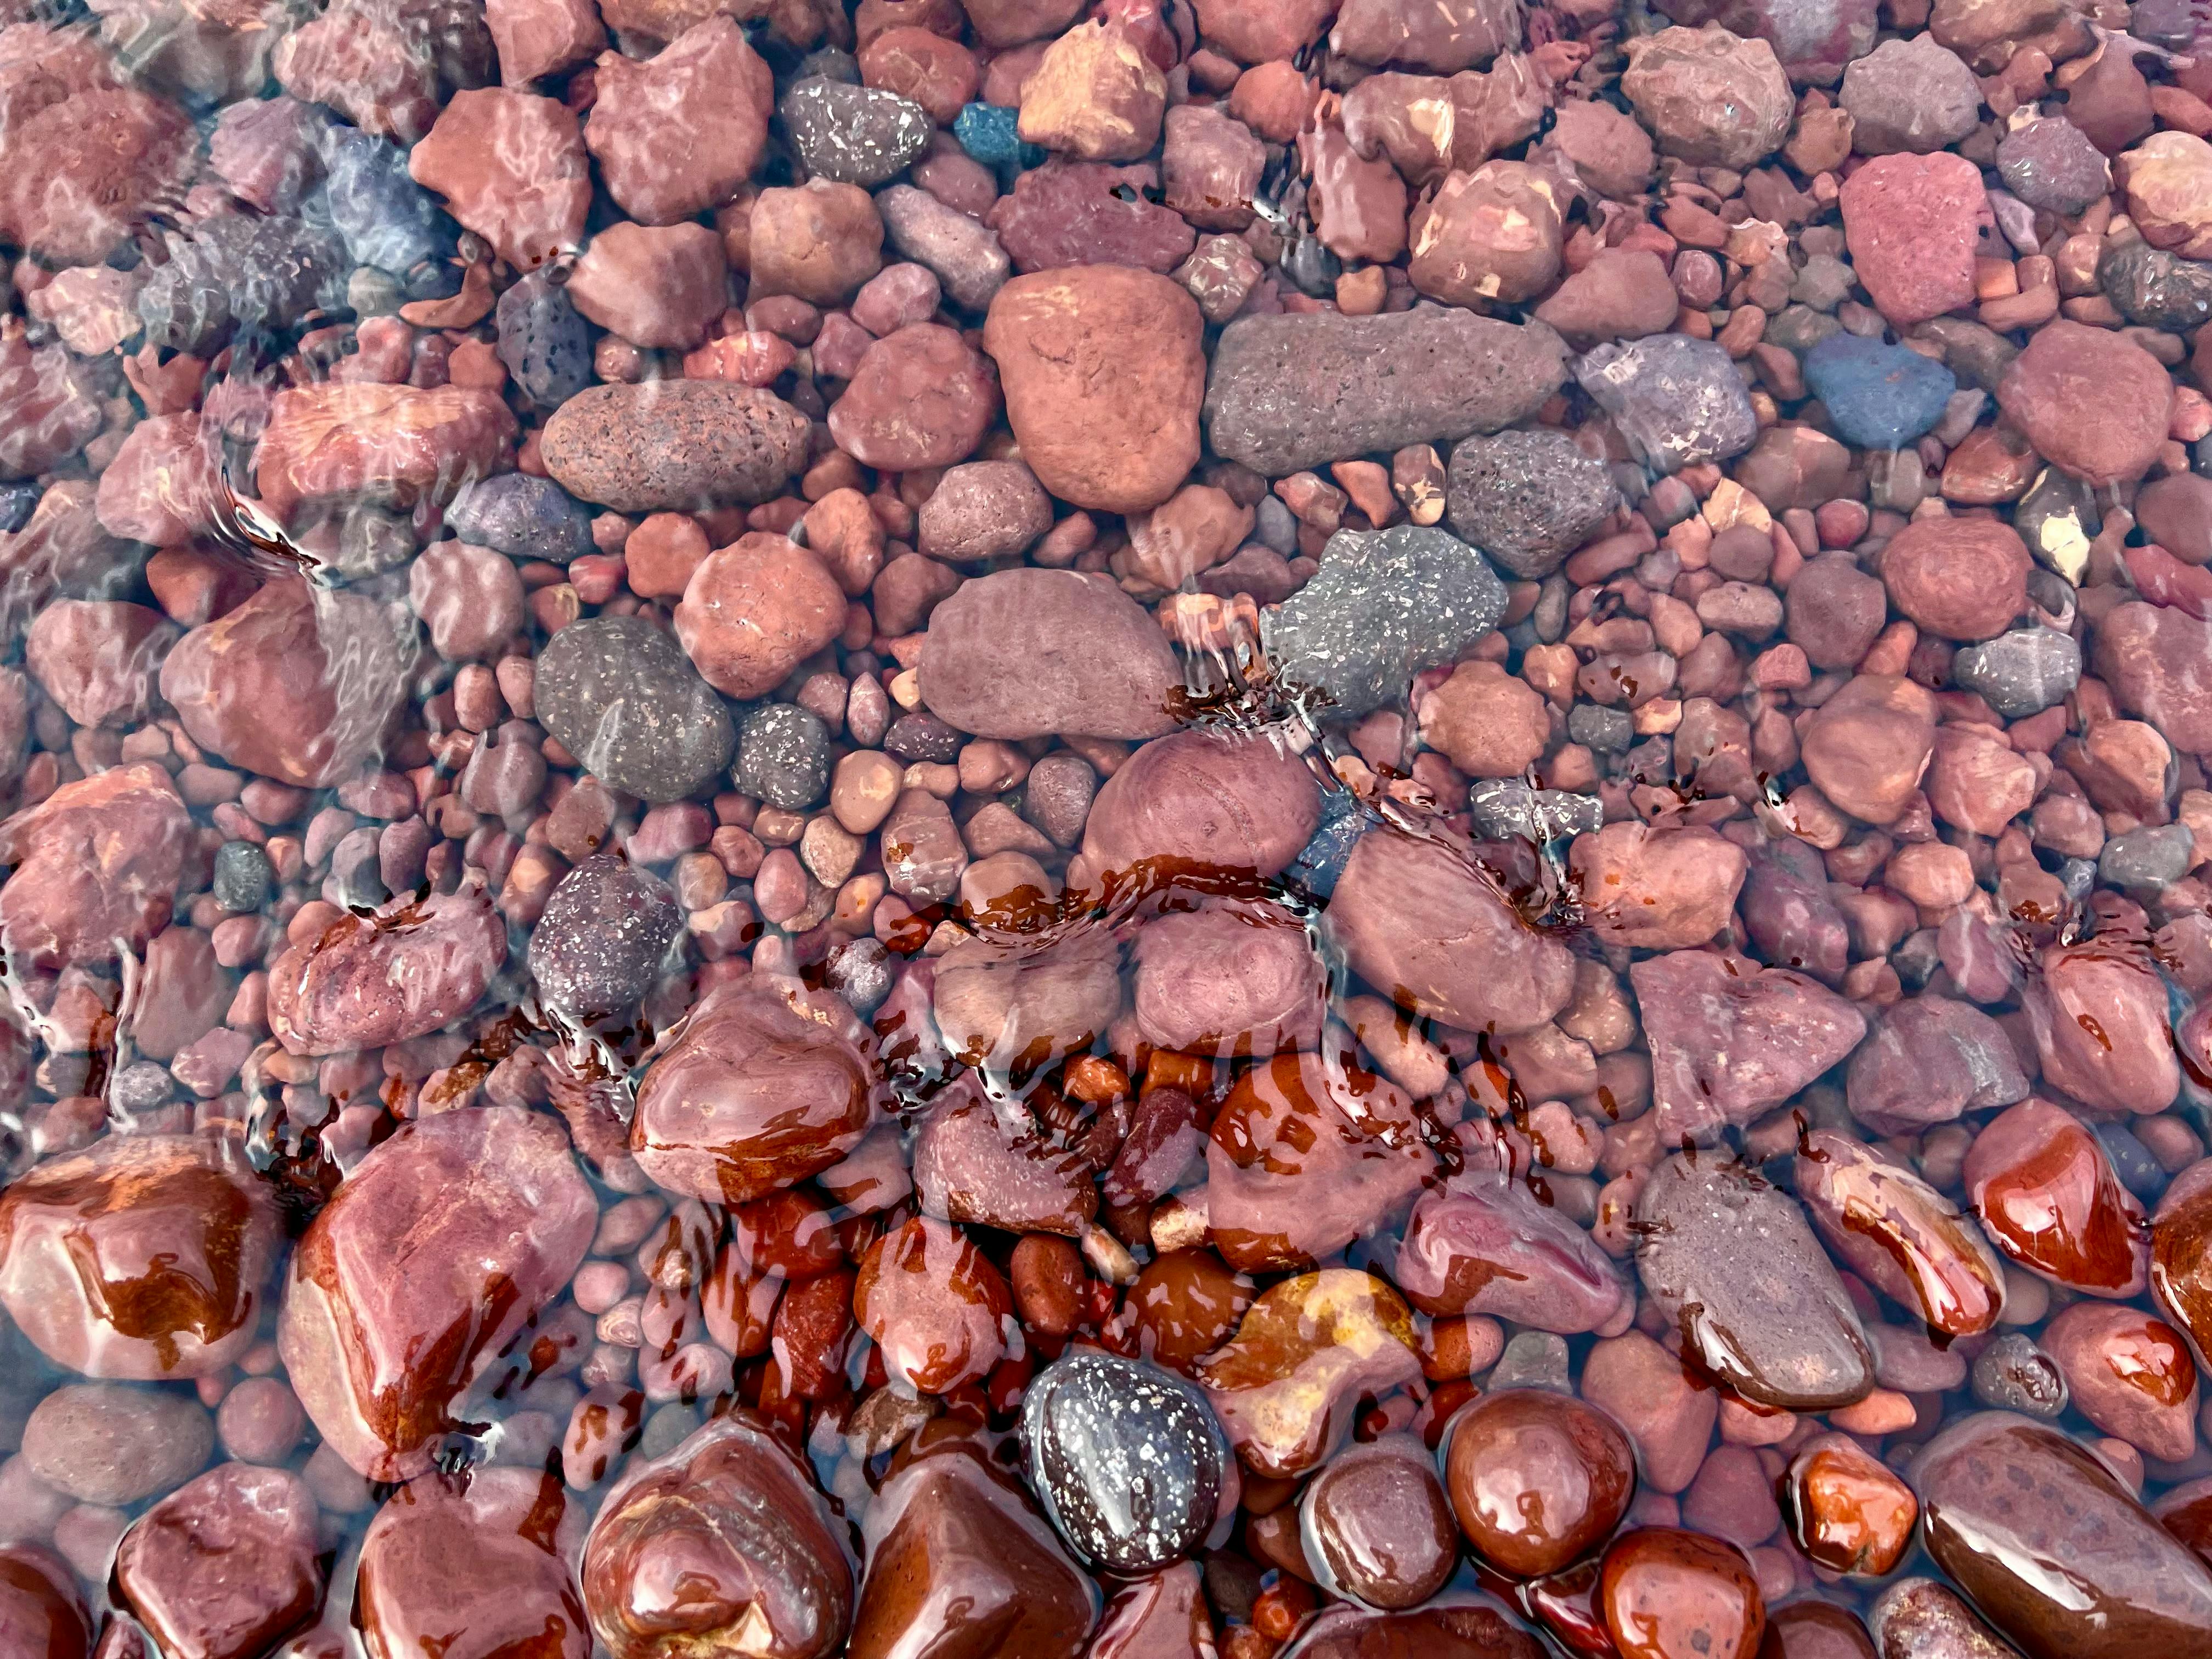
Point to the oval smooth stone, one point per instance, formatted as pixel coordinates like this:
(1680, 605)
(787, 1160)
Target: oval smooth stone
(2180, 1253)
(969, 1168)
(1309, 1153)
(1848, 1511)
(1376, 1526)
(1732, 1262)
(1184, 1305)
(1285, 1384)
(1816, 1630)
(1455, 1626)
(1125, 1457)
(721, 1544)
(2130, 1373)
(367, 981)
(1920, 1619)
(473, 1566)
(144, 1257)
(1900, 1234)
(2049, 1199)
(756, 1094)
(41, 1614)
(959, 1566)
(1160, 1617)
(437, 1251)
(2186, 1512)
(2052, 1549)
(1538, 1480)
(1483, 1243)
(934, 1303)
(1672, 1595)
(224, 1565)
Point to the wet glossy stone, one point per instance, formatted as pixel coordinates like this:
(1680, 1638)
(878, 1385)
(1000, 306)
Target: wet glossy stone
(1306, 1156)
(1126, 1459)
(1483, 1243)
(1734, 1263)
(2049, 1545)
(1899, 1234)
(144, 1257)
(41, 1614)
(959, 1566)
(1454, 1626)
(473, 1566)
(601, 943)
(2048, 1198)
(2128, 1373)
(1185, 1304)
(2014, 1375)
(2186, 1512)
(1538, 1480)
(1284, 1385)
(401, 972)
(758, 1093)
(2180, 1252)
(1816, 1630)
(721, 1544)
(1162, 1617)
(1671, 1594)
(225, 1565)
(934, 1305)
(1376, 1526)
(969, 1166)
(1847, 1511)
(442, 1245)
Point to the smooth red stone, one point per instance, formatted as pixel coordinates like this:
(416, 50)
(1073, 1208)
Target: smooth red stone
(2181, 1253)
(225, 1565)
(1816, 1630)
(929, 1298)
(367, 981)
(1538, 1480)
(2048, 1198)
(145, 1257)
(723, 1544)
(2099, 1015)
(1185, 1304)
(1376, 1527)
(473, 1566)
(1672, 1595)
(1900, 1234)
(2130, 1373)
(754, 1095)
(1848, 1512)
(41, 1614)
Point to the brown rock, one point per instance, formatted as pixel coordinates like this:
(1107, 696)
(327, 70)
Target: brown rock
(47, 412)
(1188, 534)
(1105, 372)
(1199, 805)
(1095, 96)
(1911, 222)
(1488, 723)
(1867, 745)
(2152, 656)
(679, 445)
(922, 397)
(97, 658)
(393, 445)
(938, 74)
(296, 683)
(225, 1566)
(2092, 403)
(658, 288)
(820, 241)
(1210, 166)
(1963, 578)
(754, 610)
(1663, 889)
(539, 38)
(1606, 147)
(981, 510)
(512, 168)
(367, 981)
(1622, 294)
(96, 864)
(359, 60)
(2168, 180)
(1448, 36)
(1710, 96)
(1257, 31)
(1424, 924)
(2099, 1012)
(710, 86)
(1358, 203)
(164, 484)
(1491, 235)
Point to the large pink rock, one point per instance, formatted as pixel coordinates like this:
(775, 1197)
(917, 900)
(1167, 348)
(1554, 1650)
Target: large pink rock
(96, 867)
(46, 411)
(1421, 922)
(922, 396)
(1201, 806)
(709, 86)
(80, 174)
(658, 288)
(2094, 404)
(296, 683)
(368, 980)
(1911, 223)
(2099, 1012)
(364, 440)
(97, 658)
(165, 484)
(2158, 661)
(440, 1248)
(142, 1258)
(1730, 1039)
(512, 168)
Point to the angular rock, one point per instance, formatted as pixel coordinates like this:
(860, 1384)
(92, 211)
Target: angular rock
(402, 972)
(512, 168)
(1677, 400)
(1911, 222)
(709, 85)
(1710, 96)
(856, 135)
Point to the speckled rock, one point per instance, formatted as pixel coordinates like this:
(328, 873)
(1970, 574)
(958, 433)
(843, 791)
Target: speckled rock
(542, 340)
(1910, 223)
(620, 694)
(1678, 400)
(856, 135)
(1710, 96)
(1528, 499)
(673, 445)
(2049, 163)
(599, 947)
(1910, 94)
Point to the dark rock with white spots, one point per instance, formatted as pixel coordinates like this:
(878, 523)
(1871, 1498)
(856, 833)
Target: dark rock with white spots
(544, 340)
(599, 945)
(2020, 673)
(620, 694)
(1528, 499)
(1127, 1458)
(1385, 605)
(783, 757)
(855, 135)
(2154, 288)
(523, 517)
(1677, 400)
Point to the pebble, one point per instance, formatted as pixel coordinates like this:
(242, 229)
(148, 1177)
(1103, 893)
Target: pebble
(856, 135)
(542, 340)
(110, 1442)
(621, 694)
(602, 941)
(1126, 1459)
(522, 517)
(1880, 397)
(1679, 401)
(1376, 1527)
(675, 446)
(2049, 163)
(1910, 94)
(2020, 673)
(783, 757)
(1528, 499)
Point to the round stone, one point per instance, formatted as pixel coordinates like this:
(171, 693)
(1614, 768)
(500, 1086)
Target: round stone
(1125, 1458)
(242, 877)
(1376, 1526)
(620, 696)
(783, 757)
(599, 945)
